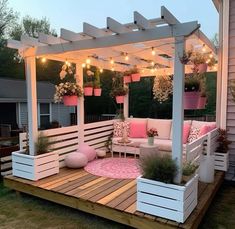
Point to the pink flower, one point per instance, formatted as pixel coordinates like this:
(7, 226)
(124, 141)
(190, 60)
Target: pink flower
(152, 132)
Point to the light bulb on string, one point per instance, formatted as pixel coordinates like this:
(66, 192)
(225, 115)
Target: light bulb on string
(152, 70)
(112, 69)
(204, 48)
(88, 66)
(153, 52)
(43, 60)
(111, 61)
(88, 60)
(83, 65)
(208, 61)
(101, 70)
(152, 63)
(214, 68)
(126, 57)
(67, 63)
(211, 55)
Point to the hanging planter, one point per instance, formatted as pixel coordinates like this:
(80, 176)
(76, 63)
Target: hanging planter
(120, 99)
(127, 79)
(68, 93)
(135, 75)
(202, 102)
(70, 100)
(88, 89)
(202, 68)
(97, 91)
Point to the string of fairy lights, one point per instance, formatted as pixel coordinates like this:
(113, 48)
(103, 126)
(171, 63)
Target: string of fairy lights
(126, 61)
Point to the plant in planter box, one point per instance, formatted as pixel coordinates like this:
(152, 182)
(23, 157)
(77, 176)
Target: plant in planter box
(88, 88)
(127, 77)
(188, 171)
(68, 92)
(135, 74)
(156, 193)
(97, 85)
(34, 167)
(199, 60)
(223, 141)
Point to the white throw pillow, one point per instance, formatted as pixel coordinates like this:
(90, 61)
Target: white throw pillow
(163, 127)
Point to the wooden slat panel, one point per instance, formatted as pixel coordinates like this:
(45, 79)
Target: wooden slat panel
(102, 129)
(98, 124)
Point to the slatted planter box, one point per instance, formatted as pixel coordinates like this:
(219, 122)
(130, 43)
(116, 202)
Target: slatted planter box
(169, 201)
(221, 161)
(34, 167)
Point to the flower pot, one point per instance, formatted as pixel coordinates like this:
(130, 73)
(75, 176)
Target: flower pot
(97, 91)
(202, 102)
(127, 79)
(191, 99)
(202, 68)
(120, 99)
(150, 141)
(135, 77)
(88, 91)
(70, 100)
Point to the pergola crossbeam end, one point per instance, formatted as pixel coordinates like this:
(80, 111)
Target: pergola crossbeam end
(116, 27)
(168, 16)
(93, 31)
(141, 21)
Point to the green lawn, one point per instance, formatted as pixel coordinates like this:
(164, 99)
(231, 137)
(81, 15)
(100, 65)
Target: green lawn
(28, 212)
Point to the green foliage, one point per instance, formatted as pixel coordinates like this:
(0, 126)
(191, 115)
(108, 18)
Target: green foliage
(191, 84)
(189, 169)
(223, 141)
(42, 144)
(118, 88)
(88, 84)
(158, 168)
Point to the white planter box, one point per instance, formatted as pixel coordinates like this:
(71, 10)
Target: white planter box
(169, 201)
(221, 161)
(34, 167)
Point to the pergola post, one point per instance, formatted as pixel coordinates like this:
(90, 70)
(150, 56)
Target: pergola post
(30, 67)
(178, 108)
(126, 105)
(80, 106)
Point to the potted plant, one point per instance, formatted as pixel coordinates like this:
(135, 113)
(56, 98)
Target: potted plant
(191, 92)
(97, 86)
(199, 61)
(135, 75)
(222, 151)
(151, 133)
(186, 58)
(118, 89)
(68, 92)
(88, 88)
(158, 195)
(43, 164)
(188, 171)
(127, 77)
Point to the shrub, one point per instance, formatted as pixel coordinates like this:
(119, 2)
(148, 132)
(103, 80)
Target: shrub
(189, 169)
(42, 144)
(158, 168)
(223, 141)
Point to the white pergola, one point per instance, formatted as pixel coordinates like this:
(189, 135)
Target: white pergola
(154, 46)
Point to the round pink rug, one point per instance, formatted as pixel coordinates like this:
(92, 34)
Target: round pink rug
(119, 168)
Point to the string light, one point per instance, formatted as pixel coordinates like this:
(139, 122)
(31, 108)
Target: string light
(88, 60)
(83, 65)
(111, 61)
(112, 69)
(152, 71)
(153, 51)
(152, 63)
(204, 48)
(43, 60)
(208, 61)
(67, 63)
(211, 55)
(126, 57)
(101, 70)
(214, 68)
(88, 66)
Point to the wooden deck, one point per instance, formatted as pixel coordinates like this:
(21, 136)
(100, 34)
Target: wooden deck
(114, 199)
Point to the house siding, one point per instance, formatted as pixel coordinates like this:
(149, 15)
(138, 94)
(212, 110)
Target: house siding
(231, 76)
(59, 112)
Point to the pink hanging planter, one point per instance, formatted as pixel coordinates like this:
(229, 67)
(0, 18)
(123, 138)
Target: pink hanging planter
(135, 77)
(127, 79)
(202, 102)
(97, 91)
(191, 99)
(120, 99)
(70, 100)
(88, 91)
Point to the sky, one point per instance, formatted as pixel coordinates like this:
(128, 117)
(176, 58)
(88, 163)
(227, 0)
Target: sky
(70, 14)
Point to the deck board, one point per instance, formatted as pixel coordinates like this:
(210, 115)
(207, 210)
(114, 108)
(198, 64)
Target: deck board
(114, 199)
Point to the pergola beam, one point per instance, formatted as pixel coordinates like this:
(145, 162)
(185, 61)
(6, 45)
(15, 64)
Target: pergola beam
(141, 21)
(49, 39)
(168, 16)
(70, 35)
(183, 29)
(116, 27)
(93, 31)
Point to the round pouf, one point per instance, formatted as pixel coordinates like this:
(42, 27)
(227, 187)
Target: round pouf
(101, 152)
(88, 151)
(75, 160)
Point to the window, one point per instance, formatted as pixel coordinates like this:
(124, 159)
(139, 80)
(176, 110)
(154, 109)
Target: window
(44, 115)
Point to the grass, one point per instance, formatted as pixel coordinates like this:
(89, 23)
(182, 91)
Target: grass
(31, 212)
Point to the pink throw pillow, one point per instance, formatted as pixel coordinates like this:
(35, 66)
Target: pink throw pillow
(186, 132)
(204, 130)
(138, 129)
(212, 126)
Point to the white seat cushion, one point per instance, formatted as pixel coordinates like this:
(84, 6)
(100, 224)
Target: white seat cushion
(199, 124)
(163, 127)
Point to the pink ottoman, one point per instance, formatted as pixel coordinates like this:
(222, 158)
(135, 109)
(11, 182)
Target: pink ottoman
(76, 160)
(87, 150)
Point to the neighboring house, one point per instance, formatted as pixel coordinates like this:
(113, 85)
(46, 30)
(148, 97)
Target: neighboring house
(226, 73)
(13, 105)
